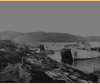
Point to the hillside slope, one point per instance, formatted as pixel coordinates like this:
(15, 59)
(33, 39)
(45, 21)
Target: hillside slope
(44, 37)
(48, 37)
(93, 38)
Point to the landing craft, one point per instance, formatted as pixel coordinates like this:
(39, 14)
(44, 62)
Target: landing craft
(42, 49)
(80, 51)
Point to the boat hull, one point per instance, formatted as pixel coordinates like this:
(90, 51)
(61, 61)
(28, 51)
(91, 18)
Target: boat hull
(85, 54)
(79, 54)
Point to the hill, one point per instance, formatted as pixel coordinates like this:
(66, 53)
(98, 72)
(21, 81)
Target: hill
(93, 38)
(45, 37)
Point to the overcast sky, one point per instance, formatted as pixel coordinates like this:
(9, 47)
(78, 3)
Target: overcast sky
(77, 18)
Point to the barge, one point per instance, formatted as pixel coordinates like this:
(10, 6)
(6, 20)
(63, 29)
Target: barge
(80, 51)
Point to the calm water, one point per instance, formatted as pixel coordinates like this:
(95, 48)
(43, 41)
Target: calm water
(87, 66)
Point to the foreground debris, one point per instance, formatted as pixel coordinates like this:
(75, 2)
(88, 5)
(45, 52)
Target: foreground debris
(21, 65)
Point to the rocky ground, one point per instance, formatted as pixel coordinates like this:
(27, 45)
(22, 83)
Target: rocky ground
(20, 65)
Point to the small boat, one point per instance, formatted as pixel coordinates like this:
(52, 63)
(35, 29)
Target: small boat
(42, 49)
(80, 51)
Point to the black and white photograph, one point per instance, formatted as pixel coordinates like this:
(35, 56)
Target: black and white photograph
(49, 41)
